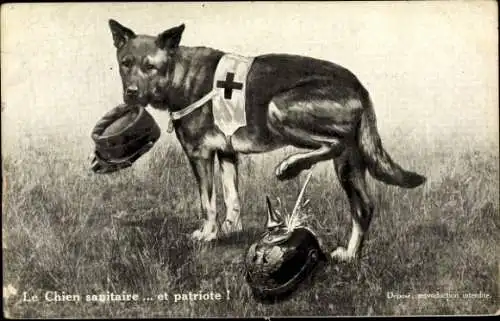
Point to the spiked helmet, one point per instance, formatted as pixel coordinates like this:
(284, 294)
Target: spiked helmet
(282, 258)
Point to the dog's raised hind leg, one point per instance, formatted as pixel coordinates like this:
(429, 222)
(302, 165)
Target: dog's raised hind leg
(322, 126)
(228, 162)
(294, 164)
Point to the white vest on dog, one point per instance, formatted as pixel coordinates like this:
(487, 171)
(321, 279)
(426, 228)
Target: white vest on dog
(227, 95)
(230, 84)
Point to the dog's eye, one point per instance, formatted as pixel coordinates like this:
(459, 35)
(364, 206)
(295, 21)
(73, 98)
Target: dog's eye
(149, 66)
(127, 63)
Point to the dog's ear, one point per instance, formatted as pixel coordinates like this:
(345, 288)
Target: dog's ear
(170, 39)
(120, 33)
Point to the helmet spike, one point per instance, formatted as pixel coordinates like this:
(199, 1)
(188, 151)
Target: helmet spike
(273, 219)
(301, 194)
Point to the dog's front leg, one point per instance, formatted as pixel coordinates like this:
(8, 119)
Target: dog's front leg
(228, 162)
(203, 169)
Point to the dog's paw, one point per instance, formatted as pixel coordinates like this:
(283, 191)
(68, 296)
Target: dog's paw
(343, 255)
(209, 237)
(290, 168)
(287, 170)
(196, 235)
(203, 237)
(229, 227)
(208, 233)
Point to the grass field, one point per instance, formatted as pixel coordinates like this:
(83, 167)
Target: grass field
(66, 229)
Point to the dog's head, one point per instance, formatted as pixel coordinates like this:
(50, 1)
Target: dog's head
(144, 62)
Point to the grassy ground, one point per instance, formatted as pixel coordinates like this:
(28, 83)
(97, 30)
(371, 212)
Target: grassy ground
(68, 230)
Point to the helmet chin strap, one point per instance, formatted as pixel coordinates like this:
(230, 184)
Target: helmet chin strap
(301, 194)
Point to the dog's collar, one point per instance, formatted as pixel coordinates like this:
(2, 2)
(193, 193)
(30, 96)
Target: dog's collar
(178, 114)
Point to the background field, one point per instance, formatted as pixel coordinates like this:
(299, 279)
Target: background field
(432, 71)
(66, 229)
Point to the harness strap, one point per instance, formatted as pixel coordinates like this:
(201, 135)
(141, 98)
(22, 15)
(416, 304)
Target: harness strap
(175, 115)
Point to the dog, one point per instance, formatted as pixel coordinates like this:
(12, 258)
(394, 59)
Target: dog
(291, 100)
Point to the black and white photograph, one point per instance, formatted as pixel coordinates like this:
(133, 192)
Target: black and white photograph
(250, 159)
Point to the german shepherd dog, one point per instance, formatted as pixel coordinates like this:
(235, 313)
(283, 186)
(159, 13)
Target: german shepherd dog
(292, 100)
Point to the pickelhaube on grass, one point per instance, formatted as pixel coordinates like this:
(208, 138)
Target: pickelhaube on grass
(286, 254)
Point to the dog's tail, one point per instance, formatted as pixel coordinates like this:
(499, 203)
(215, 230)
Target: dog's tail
(379, 163)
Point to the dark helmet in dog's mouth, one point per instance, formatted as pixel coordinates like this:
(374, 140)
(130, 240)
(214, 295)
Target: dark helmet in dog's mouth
(121, 137)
